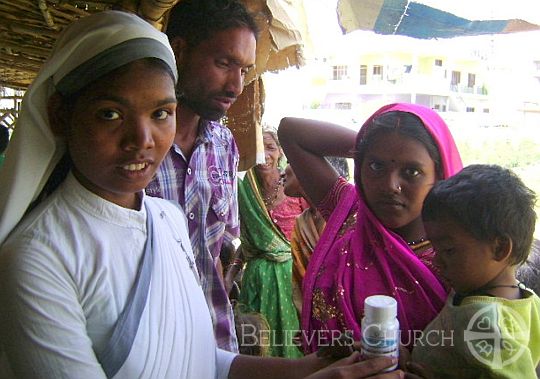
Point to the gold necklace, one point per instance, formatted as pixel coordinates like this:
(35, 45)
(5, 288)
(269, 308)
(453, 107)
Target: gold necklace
(270, 199)
(418, 244)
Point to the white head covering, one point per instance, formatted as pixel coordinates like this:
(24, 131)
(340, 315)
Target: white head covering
(86, 50)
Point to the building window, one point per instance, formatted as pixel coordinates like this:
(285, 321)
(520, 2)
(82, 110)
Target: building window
(343, 106)
(456, 78)
(339, 72)
(438, 62)
(436, 107)
(471, 80)
(377, 70)
(363, 74)
(470, 109)
(486, 110)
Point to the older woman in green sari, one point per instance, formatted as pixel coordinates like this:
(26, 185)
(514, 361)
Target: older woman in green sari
(267, 218)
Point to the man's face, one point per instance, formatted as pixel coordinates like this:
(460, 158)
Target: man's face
(212, 73)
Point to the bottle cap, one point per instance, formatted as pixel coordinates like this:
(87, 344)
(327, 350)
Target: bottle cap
(380, 307)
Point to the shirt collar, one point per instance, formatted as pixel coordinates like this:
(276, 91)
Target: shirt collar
(95, 205)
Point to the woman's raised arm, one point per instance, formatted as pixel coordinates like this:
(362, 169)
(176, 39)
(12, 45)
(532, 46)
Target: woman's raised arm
(306, 143)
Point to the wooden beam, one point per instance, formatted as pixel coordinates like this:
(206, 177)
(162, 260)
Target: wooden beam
(34, 50)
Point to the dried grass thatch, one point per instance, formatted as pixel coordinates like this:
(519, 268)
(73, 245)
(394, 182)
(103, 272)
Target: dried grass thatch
(28, 29)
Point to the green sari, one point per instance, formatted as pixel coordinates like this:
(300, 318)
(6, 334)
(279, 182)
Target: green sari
(267, 280)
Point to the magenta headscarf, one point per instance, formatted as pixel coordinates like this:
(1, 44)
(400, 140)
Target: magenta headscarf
(369, 259)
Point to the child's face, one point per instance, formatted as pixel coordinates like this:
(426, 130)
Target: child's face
(120, 129)
(396, 174)
(465, 262)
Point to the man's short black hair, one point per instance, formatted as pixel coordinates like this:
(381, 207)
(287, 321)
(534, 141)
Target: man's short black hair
(488, 201)
(197, 20)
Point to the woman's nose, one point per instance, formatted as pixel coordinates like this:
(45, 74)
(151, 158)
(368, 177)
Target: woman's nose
(393, 183)
(138, 135)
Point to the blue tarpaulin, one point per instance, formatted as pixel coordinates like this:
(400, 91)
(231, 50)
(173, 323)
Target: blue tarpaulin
(407, 18)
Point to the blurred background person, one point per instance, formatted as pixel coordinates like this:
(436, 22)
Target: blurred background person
(267, 218)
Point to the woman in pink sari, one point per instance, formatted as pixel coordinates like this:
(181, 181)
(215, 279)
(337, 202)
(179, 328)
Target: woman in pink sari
(374, 239)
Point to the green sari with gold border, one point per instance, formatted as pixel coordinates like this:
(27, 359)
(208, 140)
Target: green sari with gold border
(267, 280)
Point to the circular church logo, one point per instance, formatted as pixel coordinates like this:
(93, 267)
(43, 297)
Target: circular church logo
(490, 337)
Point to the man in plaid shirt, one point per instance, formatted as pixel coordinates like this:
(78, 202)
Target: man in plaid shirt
(214, 43)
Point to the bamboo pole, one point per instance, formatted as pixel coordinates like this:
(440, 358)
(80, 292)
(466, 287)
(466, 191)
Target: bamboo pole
(32, 31)
(34, 50)
(19, 69)
(154, 10)
(46, 14)
(21, 60)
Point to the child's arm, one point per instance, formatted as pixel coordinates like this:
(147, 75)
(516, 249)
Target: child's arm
(42, 324)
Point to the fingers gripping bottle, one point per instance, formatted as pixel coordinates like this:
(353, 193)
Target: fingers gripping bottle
(380, 328)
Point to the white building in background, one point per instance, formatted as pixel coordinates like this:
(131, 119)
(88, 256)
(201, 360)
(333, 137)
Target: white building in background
(472, 81)
(407, 71)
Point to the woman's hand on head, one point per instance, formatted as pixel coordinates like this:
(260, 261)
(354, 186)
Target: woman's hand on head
(352, 367)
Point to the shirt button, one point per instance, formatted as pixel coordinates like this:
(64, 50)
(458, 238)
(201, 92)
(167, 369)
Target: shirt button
(189, 171)
(191, 215)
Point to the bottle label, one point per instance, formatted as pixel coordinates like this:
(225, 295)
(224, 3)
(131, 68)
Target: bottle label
(380, 341)
(377, 343)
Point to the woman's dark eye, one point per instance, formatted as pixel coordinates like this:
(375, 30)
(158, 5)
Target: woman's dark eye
(412, 172)
(109, 114)
(375, 166)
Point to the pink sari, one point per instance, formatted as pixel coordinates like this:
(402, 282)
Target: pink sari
(357, 257)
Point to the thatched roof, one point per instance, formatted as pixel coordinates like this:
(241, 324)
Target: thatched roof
(28, 30)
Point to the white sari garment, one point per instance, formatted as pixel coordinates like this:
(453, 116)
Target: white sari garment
(65, 275)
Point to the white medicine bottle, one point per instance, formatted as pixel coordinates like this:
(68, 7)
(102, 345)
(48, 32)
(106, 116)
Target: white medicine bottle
(380, 328)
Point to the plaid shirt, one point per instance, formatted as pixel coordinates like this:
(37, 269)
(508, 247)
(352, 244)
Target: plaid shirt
(206, 188)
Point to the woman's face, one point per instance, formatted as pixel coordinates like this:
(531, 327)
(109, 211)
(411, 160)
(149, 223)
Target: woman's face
(396, 175)
(120, 129)
(272, 153)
